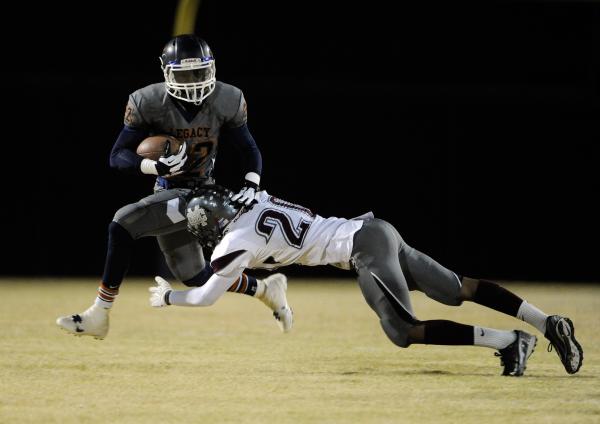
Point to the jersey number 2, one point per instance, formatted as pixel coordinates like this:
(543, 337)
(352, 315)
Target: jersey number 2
(269, 219)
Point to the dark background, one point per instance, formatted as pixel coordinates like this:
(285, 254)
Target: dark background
(472, 128)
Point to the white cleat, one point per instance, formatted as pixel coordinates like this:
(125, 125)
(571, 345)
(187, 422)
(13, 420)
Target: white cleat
(93, 322)
(274, 297)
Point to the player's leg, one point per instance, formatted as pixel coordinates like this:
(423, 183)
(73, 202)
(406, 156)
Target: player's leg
(441, 284)
(161, 212)
(559, 330)
(375, 258)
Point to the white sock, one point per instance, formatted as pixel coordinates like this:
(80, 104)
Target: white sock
(489, 337)
(532, 315)
(103, 304)
(260, 288)
(106, 296)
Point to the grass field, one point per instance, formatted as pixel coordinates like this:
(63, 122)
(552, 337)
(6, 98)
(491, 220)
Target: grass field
(230, 364)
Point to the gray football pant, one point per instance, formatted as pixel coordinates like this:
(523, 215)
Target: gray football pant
(388, 269)
(162, 215)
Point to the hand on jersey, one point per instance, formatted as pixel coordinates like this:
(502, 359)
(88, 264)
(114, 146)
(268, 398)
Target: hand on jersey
(173, 164)
(159, 292)
(247, 194)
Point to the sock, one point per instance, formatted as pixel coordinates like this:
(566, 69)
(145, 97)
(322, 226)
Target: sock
(260, 288)
(532, 315)
(106, 296)
(245, 284)
(489, 337)
(498, 298)
(443, 332)
(118, 255)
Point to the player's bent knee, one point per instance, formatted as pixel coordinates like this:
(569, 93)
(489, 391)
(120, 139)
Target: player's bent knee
(396, 332)
(450, 297)
(127, 217)
(117, 234)
(457, 301)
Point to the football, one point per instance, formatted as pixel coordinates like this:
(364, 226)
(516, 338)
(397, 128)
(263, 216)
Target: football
(158, 145)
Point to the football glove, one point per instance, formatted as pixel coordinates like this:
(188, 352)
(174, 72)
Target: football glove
(159, 294)
(248, 191)
(173, 164)
(167, 166)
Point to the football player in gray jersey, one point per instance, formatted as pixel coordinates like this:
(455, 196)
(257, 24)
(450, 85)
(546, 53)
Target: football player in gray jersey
(194, 107)
(272, 233)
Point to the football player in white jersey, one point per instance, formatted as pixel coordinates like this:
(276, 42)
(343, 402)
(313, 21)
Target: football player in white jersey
(272, 232)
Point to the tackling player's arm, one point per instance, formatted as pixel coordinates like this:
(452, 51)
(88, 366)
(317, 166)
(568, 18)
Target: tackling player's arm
(227, 268)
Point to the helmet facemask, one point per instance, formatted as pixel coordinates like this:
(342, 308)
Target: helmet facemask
(192, 80)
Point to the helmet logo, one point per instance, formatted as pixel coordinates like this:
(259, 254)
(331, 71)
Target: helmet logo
(191, 60)
(197, 217)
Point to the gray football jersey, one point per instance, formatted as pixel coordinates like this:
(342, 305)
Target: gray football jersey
(152, 109)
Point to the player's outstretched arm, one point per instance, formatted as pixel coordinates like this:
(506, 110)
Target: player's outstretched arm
(162, 294)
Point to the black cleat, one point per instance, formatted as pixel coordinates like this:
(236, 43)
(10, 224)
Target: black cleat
(561, 334)
(514, 356)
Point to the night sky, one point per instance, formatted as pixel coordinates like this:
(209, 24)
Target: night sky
(472, 129)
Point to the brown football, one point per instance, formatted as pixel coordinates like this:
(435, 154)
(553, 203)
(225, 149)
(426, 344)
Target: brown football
(158, 145)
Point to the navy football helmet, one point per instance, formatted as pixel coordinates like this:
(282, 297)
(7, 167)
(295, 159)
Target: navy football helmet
(208, 213)
(189, 68)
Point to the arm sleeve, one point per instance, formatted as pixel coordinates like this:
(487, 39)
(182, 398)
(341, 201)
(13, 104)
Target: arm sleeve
(228, 268)
(244, 143)
(205, 295)
(123, 156)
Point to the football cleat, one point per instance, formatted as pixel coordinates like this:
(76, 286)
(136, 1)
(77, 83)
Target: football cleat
(514, 356)
(561, 334)
(274, 297)
(93, 322)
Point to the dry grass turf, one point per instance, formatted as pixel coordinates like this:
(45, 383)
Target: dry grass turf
(230, 364)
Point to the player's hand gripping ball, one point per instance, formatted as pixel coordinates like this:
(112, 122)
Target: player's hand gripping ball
(158, 145)
(169, 153)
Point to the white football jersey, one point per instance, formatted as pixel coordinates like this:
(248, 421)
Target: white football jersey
(277, 233)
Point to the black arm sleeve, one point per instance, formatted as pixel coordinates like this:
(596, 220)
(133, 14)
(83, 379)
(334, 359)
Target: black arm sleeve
(123, 156)
(244, 143)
